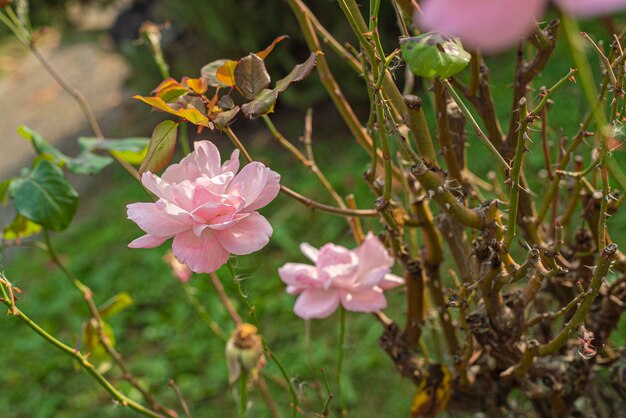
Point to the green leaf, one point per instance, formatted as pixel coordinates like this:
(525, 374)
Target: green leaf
(116, 304)
(434, 55)
(209, 73)
(299, 73)
(223, 119)
(4, 186)
(91, 339)
(20, 228)
(88, 163)
(135, 144)
(251, 77)
(45, 197)
(131, 150)
(264, 103)
(161, 148)
(41, 145)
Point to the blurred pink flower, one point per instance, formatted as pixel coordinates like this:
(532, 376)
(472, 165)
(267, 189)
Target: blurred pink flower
(179, 270)
(493, 25)
(355, 278)
(209, 209)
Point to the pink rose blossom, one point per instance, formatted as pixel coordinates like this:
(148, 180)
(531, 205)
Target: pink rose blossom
(493, 25)
(209, 209)
(355, 278)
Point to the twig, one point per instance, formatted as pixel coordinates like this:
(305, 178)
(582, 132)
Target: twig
(221, 294)
(179, 396)
(102, 337)
(303, 199)
(601, 270)
(82, 361)
(251, 311)
(481, 135)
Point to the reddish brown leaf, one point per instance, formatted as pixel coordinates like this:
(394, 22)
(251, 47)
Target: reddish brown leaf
(263, 54)
(251, 77)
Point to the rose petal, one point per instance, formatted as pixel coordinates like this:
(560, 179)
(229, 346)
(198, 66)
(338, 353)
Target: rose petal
(371, 301)
(316, 303)
(231, 165)
(390, 281)
(259, 184)
(203, 254)
(156, 221)
(490, 25)
(269, 192)
(373, 254)
(186, 169)
(310, 251)
(156, 185)
(369, 279)
(147, 241)
(248, 235)
(207, 158)
(299, 275)
(587, 8)
(228, 221)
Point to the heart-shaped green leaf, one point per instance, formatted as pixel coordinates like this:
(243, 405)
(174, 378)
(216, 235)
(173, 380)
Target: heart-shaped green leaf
(44, 196)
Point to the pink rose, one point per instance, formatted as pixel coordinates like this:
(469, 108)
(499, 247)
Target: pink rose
(209, 209)
(493, 25)
(355, 278)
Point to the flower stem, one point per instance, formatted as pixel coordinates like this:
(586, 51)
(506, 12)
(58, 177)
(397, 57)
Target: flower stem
(243, 394)
(342, 337)
(251, 310)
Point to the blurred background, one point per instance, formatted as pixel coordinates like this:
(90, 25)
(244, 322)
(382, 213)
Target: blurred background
(94, 45)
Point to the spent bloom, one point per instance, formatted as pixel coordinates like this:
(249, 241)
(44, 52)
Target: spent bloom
(493, 25)
(355, 278)
(207, 207)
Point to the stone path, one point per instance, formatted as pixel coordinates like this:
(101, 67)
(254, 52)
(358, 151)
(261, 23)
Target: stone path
(29, 96)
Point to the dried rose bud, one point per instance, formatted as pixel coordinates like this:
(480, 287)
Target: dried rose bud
(180, 270)
(244, 350)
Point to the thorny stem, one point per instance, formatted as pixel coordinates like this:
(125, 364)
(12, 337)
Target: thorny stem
(80, 359)
(202, 312)
(601, 270)
(326, 77)
(329, 396)
(308, 160)
(589, 88)
(303, 199)
(548, 93)
(551, 316)
(221, 294)
(179, 396)
(102, 337)
(481, 135)
(340, 354)
(270, 353)
(518, 162)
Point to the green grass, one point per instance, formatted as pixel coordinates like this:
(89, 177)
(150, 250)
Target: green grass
(160, 335)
